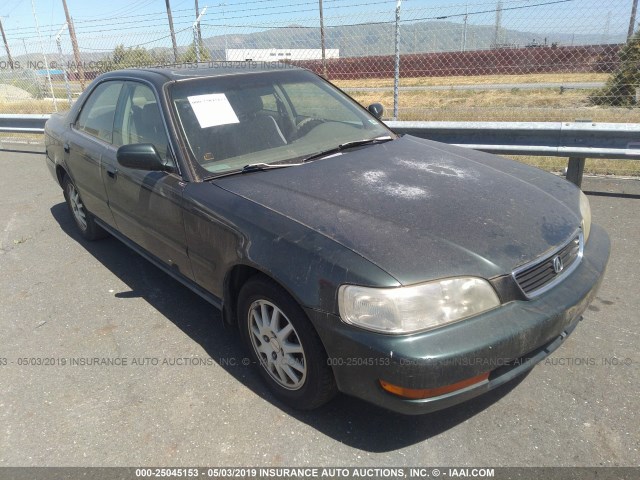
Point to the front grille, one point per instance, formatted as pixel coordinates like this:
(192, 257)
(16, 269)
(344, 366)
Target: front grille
(536, 277)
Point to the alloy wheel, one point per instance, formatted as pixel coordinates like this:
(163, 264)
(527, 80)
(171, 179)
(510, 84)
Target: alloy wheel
(77, 207)
(277, 345)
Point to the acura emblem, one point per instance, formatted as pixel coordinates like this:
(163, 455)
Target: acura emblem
(558, 266)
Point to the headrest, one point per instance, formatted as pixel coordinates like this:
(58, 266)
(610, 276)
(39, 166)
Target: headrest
(245, 103)
(150, 108)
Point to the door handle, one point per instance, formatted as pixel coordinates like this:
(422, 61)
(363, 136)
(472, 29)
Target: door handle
(112, 172)
(66, 147)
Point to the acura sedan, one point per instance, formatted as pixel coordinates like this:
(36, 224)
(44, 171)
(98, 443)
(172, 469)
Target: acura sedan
(412, 274)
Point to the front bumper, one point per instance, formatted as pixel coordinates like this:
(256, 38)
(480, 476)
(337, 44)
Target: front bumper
(507, 342)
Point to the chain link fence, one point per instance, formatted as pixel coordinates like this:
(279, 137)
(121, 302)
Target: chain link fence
(504, 60)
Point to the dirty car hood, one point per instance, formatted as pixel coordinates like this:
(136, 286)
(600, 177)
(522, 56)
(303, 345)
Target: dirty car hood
(423, 210)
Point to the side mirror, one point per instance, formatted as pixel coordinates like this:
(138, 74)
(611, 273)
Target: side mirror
(140, 156)
(376, 109)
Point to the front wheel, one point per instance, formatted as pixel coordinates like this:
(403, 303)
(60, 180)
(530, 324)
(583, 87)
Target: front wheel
(284, 345)
(85, 222)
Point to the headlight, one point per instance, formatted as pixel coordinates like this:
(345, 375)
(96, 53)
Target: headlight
(585, 211)
(418, 307)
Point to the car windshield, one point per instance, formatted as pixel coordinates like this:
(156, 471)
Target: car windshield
(266, 118)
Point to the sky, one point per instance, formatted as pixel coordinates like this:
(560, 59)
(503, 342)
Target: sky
(100, 25)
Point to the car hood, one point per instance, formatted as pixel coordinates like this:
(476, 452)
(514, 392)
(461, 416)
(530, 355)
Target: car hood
(422, 210)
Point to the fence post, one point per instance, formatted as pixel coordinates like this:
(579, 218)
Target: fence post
(322, 42)
(396, 73)
(575, 170)
(44, 56)
(196, 44)
(64, 70)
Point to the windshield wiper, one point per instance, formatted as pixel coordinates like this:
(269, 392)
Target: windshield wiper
(366, 141)
(346, 145)
(254, 167)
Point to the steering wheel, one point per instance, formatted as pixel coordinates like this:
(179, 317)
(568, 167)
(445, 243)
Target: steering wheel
(305, 125)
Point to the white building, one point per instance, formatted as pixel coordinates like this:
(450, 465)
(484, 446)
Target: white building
(278, 54)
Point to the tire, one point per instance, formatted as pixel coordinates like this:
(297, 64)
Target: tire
(293, 363)
(83, 219)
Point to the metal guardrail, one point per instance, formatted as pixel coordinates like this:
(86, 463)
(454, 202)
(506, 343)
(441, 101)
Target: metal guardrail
(576, 140)
(10, 123)
(559, 139)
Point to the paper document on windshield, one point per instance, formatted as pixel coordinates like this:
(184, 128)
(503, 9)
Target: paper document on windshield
(213, 109)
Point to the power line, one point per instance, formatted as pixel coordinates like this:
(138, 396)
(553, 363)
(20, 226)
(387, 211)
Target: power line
(137, 25)
(121, 11)
(155, 16)
(16, 5)
(139, 44)
(494, 10)
(85, 20)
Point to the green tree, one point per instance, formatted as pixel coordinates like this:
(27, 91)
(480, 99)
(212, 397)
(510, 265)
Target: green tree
(132, 57)
(190, 55)
(620, 89)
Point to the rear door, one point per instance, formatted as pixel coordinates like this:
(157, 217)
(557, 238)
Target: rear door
(146, 206)
(89, 137)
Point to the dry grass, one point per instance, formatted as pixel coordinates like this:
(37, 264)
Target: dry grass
(514, 98)
(515, 104)
(33, 106)
(477, 80)
(521, 105)
(20, 138)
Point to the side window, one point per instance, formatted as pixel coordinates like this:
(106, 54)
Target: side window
(140, 120)
(312, 101)
(96, 117)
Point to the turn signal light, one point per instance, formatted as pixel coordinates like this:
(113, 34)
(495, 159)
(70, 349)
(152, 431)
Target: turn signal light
(419, 393)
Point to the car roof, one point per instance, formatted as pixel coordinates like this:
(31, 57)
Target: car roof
(160, 75)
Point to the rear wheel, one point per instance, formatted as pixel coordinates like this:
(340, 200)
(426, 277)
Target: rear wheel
(284, 345)
(84, 220)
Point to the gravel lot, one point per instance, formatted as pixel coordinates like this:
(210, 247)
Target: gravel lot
(10, 92)
(66, 299)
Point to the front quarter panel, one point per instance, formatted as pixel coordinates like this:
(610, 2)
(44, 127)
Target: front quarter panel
(224, 230)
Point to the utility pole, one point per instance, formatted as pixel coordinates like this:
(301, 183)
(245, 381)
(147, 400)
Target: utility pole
(226, 46)
(464, 29)
(74, 45)
(604, 39)
(199, 31)
(324, 57)
(632, 20)
(496, 34)
(196, 43)
(173, 33)
(6, 45)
